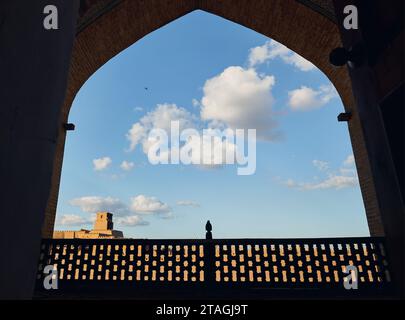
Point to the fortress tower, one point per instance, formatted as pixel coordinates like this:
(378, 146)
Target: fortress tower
(103, 229)
(103, 221)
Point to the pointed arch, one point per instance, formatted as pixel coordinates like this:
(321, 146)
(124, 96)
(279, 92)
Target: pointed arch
(108, 27)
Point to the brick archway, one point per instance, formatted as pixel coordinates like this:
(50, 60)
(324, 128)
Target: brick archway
(306, 26)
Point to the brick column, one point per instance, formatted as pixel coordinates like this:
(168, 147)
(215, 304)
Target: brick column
(34, 66)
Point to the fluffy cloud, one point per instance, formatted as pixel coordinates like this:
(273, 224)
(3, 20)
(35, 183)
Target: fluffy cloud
(127, 165)
(92, 204)
(73, 220)
(149, 205)
(240, 98)
(188, 203)
(346, 178)
(348, 167)
(195, 103)
(213, 147)
(272, 50)
(305, 98)
(160, 118)
(320, 165)
(131, 221)
(349, 161)
(332, 182)
(101, 163)
(126, 215)
(209, 155)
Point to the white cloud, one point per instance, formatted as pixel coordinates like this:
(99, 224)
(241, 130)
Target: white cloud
(188, 203)
(195, 103)
(73, 220)
(237, 98)
(138, 109)
(347, 171)
(93, 204)
(149, 205)
(240, 98)
(305, 98)
(272, 50)
(349, 161)
(332, 182)
(213, 146)
(131, 221)
(347, 177)
(127, 166)
(125, 215)
(321, 165)
(160, 118)
(101, 163)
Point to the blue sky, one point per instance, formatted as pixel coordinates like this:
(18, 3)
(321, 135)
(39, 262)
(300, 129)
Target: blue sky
(205, 70)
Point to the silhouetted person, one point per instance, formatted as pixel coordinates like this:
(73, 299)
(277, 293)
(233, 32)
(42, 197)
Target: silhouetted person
(208, 228)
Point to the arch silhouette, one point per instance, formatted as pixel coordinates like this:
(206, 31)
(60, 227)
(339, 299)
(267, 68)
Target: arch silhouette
(106, 29)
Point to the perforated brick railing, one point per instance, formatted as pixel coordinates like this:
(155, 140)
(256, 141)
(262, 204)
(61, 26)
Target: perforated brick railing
(300, 262)
(221, 264)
